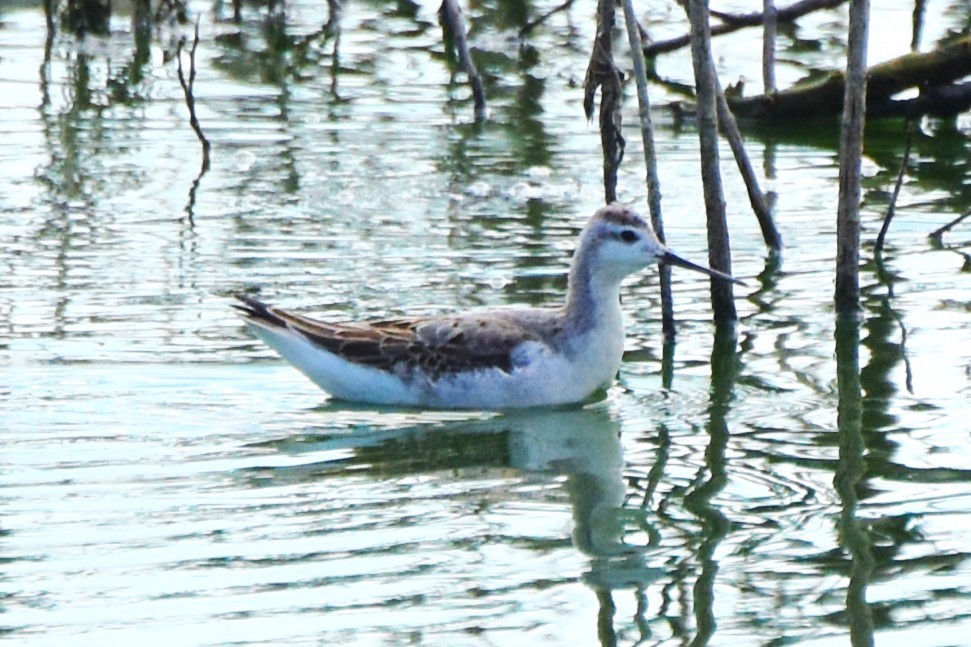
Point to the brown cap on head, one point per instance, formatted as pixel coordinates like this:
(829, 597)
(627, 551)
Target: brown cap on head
(620, 214)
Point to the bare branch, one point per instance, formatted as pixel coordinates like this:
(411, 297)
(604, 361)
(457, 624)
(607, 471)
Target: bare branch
(603, 73)
(786, 14)
(719, 249)
(847, 296)
(650, 161)
(878, 247)
(938, 234)
(532, 24)
(770, 19)
(453, 25)
(931, 72)
(729, 129)
(190, 100)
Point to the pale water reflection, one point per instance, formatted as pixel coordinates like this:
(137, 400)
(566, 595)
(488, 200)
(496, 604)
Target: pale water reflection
(164, 479)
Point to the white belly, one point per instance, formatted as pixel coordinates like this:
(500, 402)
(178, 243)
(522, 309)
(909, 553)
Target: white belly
(539, 375)
(546, 379)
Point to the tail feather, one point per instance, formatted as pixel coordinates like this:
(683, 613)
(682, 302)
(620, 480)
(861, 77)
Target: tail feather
(258, 312)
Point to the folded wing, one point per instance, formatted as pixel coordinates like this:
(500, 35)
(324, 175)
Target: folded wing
(433, 346)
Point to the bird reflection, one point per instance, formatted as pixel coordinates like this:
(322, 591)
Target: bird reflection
(583, 445)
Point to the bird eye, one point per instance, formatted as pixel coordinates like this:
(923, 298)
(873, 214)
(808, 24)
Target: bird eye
(629, 236)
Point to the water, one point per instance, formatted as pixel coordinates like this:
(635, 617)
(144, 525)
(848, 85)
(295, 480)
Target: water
(165, 479)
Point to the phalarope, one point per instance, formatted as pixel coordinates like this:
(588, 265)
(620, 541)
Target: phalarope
(495, 359)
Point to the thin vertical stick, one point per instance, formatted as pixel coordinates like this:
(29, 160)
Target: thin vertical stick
(190, 99)
(650, 161)
(729, 128)
(719, 251)
(847, 296)
(453, 24)
(603, 73)
(917, 28)
(920, 8)
(769, 15)
(881, 237)
(50, 9)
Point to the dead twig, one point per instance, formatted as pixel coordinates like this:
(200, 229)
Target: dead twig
(453, 27)
(190, 100)
(735, 22)
(881, 237)
(533, 24)
(769, 19)
(847, 295)
(650, 161)
(706, 82)
(729, 129)
(603, 73)
(938, 234)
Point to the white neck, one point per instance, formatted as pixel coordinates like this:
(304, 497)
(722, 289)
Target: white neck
(593, 299)
(594, 323)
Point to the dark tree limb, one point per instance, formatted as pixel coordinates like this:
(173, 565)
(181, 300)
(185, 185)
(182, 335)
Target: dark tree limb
(453, 26)
(729, 128)
(935, 101)
(735, 22)
(603, 73)
(188, 88)
(932, 72)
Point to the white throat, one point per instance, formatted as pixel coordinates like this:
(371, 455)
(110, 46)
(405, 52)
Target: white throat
(593, 312)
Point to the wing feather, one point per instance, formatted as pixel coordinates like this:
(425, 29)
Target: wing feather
(433, 346)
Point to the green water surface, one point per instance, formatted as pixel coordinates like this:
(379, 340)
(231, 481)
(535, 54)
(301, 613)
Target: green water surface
(165, 479)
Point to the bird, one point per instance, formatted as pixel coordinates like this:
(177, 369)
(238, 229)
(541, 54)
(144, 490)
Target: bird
(494, 359)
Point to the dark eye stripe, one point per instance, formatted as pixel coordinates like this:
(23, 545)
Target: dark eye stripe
(629, 236)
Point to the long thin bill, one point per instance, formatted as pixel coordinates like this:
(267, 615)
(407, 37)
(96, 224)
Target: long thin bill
(671, 258)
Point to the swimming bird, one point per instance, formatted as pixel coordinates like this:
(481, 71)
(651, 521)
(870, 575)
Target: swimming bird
(492, 359)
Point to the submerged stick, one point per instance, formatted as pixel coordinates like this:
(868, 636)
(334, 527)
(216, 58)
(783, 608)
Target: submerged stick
(650, 161)
(190, 100)
(847, 296)
(453, 24)
(938, 234)
(878, 247)
(719, 250)
(935, 74)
